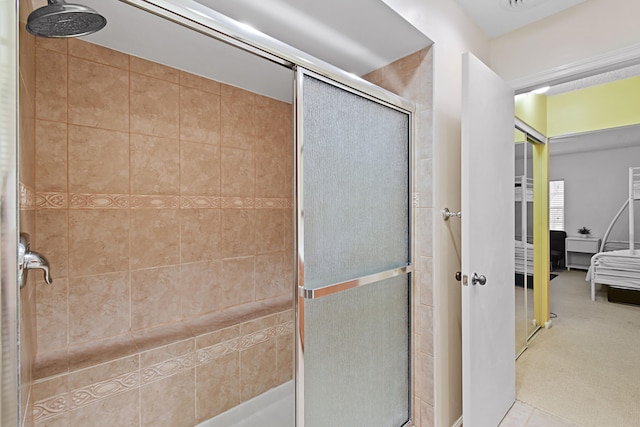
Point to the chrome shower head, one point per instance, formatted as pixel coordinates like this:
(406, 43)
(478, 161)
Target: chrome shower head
(59, 19)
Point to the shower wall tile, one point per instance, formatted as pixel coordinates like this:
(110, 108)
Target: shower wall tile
(163, 200)
(201, 288)
(155, 296)
(217, 386)
(27, 134)
(98, 95)
(169, 402)
(256, 369)
(238, 118)
(199, 235)
(197, 82)
(51, 85)
(98, 307)
(199, 169)
(154, 107)
(153, 69)
(97, 53)
(52, 316)
(269, 231)
(199, 116)
(50, 156)
(238, 172)
(97, 153)
(237, 285)
(237, 232)
(155, 238)
(155, 165)
(98, 241)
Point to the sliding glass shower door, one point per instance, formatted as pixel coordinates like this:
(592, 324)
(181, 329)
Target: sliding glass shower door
(353, 257)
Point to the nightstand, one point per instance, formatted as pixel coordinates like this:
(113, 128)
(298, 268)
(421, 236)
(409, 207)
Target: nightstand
(579, 250)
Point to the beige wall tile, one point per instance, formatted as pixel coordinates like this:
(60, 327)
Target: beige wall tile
(52, 316)
(98, 95)
(105, 371)
(199, 169)
(218, 386)
(98, 241)
(199, 116)
(238, 172)
(155, 296)
(96, 352)
(167, 352)
(51, 156)
(200, 287)
(270, 175)
(54, 44)
(169, 402)
(285, 358)
(213, 338)
(153, 69)
(425, 280)
(96, 53)
(237, 283)
(270, 276)
(269, 231)
(199, 234)
(155, 165)
(237, 232)
(98, 307)
(27, 135)
(154, 107)
(50, 364)
(426, 370)
(238, 128)
(51, 85)
(271, 119)
(98, 161)
(61, 420)
(198, 82)
(51, 240)
(150, 338)
(259, 324)
(155, 237)
(257, 373)
(122, 410)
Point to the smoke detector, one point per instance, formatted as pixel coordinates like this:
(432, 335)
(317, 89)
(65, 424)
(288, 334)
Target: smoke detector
(516, 5)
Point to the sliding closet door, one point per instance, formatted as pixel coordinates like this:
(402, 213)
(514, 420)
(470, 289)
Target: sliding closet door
(354, 258)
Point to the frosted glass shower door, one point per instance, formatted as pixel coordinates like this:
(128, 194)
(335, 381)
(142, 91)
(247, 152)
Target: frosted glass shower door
(354, 257)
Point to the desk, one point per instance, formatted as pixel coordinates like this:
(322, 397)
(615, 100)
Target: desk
(579, 250)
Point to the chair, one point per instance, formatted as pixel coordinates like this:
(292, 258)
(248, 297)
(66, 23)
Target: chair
(557, 248)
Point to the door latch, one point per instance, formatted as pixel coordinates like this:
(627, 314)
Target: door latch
(475, 279)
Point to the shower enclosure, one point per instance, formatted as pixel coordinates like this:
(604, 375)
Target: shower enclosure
(198, 248)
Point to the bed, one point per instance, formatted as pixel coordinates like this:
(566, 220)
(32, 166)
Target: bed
(619, 268)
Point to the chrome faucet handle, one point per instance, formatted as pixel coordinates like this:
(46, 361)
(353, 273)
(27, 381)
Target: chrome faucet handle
(34, 260)
(28, 260)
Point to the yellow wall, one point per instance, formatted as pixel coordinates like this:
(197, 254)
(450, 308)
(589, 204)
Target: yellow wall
(532, 109)
(598, 107)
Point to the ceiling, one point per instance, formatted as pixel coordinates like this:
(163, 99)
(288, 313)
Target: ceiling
(499, 17)
(324, 30)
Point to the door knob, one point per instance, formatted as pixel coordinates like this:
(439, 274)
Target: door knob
(458, 275)
(475, 279)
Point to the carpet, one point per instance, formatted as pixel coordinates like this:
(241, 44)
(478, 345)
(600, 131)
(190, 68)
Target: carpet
(520, 280)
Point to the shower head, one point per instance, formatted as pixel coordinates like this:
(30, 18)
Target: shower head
(59, 19)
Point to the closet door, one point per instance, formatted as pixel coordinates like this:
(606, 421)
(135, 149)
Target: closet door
(353, 257)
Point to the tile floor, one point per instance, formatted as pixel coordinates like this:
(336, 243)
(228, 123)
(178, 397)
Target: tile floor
(524, 415)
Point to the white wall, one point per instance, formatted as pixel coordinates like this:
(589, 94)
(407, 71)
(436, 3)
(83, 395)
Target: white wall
(453, 33)
(590, 29)
(596, 186)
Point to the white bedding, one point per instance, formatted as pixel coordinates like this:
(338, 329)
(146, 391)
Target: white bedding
(619, 269)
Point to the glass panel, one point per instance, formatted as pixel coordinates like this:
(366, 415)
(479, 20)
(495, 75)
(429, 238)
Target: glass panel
(356, 183)
(357, 356)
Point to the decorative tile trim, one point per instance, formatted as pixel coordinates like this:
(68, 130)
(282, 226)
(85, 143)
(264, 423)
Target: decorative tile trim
(415, 200)
(50, 407)
(103, 389)
(216, 351)
(155, 202)
(167, 368)
(199, 202)
(98, 201)
(51, 200)
(27, 197)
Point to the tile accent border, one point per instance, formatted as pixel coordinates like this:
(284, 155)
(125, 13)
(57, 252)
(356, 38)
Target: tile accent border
(67, 401)
(47, 200)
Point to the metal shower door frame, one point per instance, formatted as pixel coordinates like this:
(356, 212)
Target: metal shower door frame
(303, 293)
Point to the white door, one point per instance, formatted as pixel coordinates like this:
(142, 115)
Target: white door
(488, 313)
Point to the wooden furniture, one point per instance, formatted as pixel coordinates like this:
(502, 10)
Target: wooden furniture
(579, 250)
